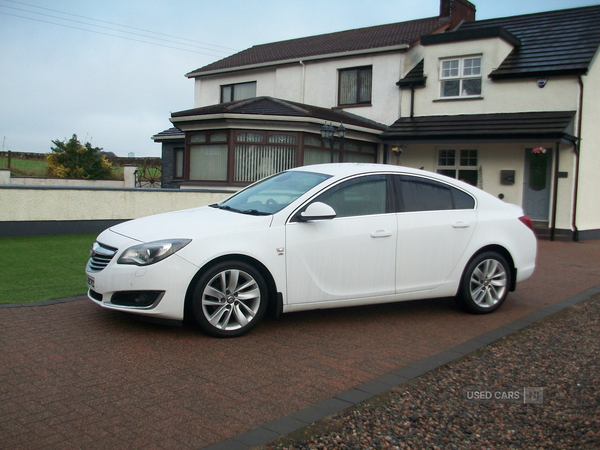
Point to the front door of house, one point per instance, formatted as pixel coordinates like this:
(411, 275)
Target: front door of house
(536, 195)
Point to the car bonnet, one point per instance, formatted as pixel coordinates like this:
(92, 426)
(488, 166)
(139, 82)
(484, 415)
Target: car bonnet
(190, 224)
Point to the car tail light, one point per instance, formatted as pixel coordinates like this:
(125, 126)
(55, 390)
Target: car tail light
(527, 221)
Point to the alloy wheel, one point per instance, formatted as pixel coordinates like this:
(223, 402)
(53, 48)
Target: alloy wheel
(488, 283)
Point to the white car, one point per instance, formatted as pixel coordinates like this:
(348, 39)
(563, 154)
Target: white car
(322, 236)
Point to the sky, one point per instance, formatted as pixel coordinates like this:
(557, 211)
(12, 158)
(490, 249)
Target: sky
(112, 71)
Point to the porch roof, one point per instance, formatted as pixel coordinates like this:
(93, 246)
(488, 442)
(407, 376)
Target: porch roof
(169, 135)
(270, 108)
(503, 127)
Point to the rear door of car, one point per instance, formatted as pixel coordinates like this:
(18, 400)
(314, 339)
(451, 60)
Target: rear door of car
(350, 256)
(435, 224)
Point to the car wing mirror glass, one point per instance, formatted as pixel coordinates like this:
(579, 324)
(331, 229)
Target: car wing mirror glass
(317, 211)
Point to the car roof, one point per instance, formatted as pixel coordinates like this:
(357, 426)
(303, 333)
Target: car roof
(345, 169)
(342, 170)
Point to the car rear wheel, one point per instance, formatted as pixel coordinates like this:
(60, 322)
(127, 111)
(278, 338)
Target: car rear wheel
(230, 299)
(485, 284)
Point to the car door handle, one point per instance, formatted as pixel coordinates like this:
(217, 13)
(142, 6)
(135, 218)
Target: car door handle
(381, 234)
(460, 225)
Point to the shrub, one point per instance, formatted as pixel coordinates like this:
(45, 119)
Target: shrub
(71, 159)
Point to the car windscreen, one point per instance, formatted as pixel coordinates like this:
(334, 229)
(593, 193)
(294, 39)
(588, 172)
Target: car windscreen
(274, 193)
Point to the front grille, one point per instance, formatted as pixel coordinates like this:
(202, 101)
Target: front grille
(100, 256)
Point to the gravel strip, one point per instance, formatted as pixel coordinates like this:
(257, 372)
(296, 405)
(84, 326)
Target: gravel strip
(481, 401)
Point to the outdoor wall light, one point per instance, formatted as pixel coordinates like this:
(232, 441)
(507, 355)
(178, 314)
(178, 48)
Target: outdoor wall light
(328, 133)
(398, 149)
(541, 82)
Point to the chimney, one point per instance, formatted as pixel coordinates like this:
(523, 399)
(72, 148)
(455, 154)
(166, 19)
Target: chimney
(458, 11)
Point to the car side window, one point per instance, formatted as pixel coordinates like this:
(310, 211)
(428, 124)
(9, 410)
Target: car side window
(420, 194)
(461, 199)
(358, 197)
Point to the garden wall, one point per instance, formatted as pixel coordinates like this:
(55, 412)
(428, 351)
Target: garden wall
(48, 210)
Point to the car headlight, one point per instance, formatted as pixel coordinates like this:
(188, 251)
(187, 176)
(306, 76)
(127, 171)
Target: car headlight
(152, 252)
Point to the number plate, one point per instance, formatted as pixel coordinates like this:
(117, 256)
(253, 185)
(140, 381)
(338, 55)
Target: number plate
(90, 282)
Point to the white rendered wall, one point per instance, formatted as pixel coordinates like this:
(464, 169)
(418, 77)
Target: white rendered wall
(316, 83)
(588, 202)
(56, 204)
(522, 95)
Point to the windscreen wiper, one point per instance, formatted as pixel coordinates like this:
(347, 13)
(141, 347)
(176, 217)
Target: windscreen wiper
(256, 212)
(225, 207)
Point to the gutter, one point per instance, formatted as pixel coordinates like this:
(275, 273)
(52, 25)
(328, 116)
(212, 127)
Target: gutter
(303, 79)
(577, 151)
(555, 190)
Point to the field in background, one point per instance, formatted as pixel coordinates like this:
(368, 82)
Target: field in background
(35, 165)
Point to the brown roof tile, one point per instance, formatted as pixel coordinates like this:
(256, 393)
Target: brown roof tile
(380, 36)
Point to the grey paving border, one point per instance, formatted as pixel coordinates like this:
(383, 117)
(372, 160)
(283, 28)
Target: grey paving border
(304, 417)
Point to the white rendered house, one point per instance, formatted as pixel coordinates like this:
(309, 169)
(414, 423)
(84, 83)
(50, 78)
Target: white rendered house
(506, 104)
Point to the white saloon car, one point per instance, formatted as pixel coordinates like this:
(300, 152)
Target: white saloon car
(322, 236)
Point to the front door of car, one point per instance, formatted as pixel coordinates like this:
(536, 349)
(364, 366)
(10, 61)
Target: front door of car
(350, 256)
(434, 229)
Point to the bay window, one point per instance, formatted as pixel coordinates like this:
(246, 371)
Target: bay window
(239, 157)
(178, 164)
(258, 155)
(208, 157)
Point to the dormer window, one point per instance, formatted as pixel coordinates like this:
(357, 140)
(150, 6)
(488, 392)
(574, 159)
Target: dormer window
(460, 77)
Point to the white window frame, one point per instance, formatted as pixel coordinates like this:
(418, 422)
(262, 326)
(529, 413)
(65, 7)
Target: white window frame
(470, 155)
(461, 70)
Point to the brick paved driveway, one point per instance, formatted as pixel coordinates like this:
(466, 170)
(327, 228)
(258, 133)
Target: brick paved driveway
(73, 375)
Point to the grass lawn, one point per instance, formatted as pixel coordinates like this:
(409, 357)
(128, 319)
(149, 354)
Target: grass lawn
(38, 268)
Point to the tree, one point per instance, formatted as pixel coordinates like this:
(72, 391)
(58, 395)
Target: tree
(71, 159)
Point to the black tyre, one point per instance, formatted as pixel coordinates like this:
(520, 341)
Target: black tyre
(485, 284)
(229, 299)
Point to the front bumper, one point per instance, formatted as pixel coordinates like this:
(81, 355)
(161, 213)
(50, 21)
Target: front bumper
(157, 290)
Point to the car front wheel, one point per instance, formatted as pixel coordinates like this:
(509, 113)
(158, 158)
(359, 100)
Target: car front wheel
(230, 299)
(485, 284)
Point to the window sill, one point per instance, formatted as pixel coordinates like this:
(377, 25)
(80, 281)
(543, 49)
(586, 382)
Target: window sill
(356, 105)
(459, 99)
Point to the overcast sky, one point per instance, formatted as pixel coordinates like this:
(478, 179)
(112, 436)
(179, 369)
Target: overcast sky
(112, 71)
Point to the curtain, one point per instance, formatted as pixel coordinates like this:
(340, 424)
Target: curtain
(253, 162)
(208, 162)
(348, 87)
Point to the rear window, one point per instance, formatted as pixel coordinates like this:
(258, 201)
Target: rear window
(420, 194)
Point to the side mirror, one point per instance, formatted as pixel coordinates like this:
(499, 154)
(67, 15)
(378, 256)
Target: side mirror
(317, 211)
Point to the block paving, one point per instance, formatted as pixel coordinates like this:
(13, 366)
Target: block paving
(73, 375)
